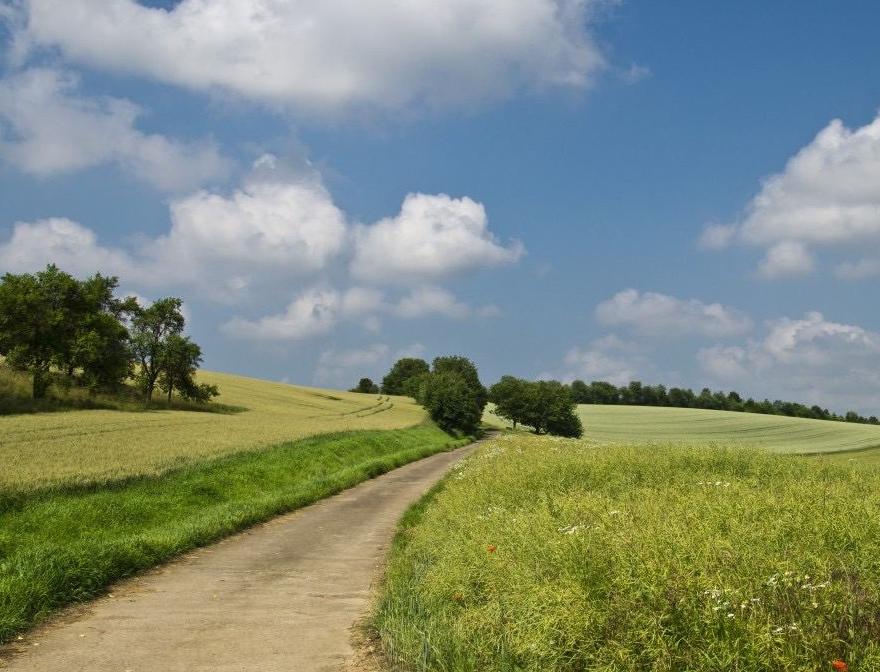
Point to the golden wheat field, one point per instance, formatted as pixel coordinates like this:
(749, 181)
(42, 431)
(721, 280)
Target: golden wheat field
(103, 445)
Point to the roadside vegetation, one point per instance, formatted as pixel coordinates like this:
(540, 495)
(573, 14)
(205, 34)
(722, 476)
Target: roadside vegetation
(66, 544)
(546, 554)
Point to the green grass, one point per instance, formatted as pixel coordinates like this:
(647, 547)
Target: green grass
(102, 446)
(67, 543)
(553, 555)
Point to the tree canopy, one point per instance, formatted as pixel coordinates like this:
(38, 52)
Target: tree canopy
(55, 326)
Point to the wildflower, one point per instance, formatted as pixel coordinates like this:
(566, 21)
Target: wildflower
(491, 548)
(458, 597)
(839, 665)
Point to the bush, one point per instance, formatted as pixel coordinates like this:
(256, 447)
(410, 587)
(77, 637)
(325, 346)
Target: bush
(401, 372)
(545, 406)
(452, 403)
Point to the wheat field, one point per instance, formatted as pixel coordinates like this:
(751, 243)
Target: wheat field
(97, 446)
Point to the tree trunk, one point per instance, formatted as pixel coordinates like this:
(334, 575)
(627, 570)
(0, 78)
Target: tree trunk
(40, 383)
(170, 390)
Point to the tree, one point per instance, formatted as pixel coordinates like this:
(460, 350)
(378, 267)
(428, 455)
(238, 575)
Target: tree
(101, 352)
(580, 392)
(151, 329)
(452, 402)
(552, 410)
(468, 372)
(38, 321)
(511, 397)
(546, 406)
(180, 361)
(403, 370)
(366, 386)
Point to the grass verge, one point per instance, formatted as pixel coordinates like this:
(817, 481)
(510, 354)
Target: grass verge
(63, 545)
(552, 555)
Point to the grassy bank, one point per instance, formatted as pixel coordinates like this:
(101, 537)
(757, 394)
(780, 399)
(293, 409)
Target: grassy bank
(101, 446)
(554, 555)
(68, 543)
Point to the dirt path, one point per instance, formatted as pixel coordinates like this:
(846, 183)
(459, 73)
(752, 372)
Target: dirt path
(281, 596)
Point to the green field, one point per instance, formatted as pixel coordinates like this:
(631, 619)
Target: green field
(105, 445)
(629, 424)
(554, 555)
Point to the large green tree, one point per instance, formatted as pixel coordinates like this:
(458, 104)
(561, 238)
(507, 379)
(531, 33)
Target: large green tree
(51, 319)
(403, 372)
(465, 368)
(152, 329)
(180, 361)
(451, 402)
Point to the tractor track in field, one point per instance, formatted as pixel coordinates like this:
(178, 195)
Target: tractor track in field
(284, 595)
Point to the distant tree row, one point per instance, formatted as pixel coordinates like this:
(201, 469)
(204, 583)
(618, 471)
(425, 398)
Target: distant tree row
(451, 392)
(57, 327)
(637, 394)
(547, 406)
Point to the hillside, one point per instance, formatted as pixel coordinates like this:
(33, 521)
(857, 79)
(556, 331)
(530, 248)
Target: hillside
(635, 424)
(103, 445)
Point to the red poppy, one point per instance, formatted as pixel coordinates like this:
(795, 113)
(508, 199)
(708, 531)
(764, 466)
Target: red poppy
(491, 548)
(840, 666)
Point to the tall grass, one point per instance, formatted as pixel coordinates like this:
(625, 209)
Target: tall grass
(550, 555)
(65, 544)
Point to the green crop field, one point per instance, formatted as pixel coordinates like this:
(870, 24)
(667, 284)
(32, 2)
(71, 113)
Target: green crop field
(775, 433)
(104, 445)
(540, 554)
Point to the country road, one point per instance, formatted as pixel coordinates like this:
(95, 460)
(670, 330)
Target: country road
(280, 596)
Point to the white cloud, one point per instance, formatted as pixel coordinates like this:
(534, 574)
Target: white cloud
(343, 368)
(717, 236)
(812, 360)
(319, 310)
(827, 196)
(69, 245)
(431, 301)
(51, 128)
(324, 55)
(314, 312)
(272, 229)
(433, 236)
(656, 314)
(607, 358)
(858, 270)
(282, 228)
(786, 259)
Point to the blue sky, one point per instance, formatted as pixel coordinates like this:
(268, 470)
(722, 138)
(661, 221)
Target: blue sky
(598, 189)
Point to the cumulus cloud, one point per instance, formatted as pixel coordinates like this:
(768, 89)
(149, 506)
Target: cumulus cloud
(345, 367)
(608, 358)
(326, 55)
(61, 241)
(51, 128)
(430, 301)
(271, 229)
(657, 314)
(277, 228)
(812, 359)
(319, 310)
(433, 236)
(314, 312)
(828, 196)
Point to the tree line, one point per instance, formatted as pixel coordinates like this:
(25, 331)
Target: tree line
(451, 392)
(637, 394)
(77, 332)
